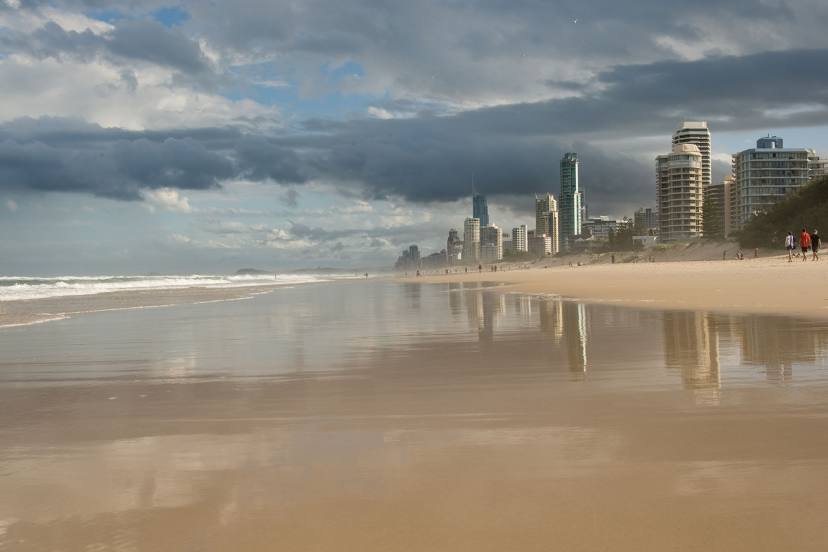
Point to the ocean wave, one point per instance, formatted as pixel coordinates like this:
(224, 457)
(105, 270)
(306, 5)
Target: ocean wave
(21, 288)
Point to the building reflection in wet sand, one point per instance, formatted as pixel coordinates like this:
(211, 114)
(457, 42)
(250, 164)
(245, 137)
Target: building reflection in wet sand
(697, 345)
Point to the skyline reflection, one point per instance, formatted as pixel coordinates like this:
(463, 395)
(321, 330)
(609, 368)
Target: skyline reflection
(699, 346)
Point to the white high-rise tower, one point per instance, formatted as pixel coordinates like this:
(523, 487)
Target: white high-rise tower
(698, 134)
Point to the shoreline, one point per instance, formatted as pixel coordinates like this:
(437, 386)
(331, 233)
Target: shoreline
(29, 312)
(764, 285)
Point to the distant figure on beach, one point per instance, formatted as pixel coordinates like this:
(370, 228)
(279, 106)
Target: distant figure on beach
(724, 254)
(480, 268)
(613, 259)
(815, 239)
(739, 255)
(366, 275)
(418, 274)
(790, 245)
(804, 243)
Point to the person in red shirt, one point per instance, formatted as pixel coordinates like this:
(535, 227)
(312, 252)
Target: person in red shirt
(804, 243)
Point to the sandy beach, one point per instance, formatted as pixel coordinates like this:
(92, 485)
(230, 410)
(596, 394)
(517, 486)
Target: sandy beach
(384, 415)
(766, 285)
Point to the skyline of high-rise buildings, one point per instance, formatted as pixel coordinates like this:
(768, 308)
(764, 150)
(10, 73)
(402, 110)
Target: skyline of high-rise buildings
(688, 204)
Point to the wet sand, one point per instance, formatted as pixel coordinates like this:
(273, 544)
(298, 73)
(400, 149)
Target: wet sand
(412, 417)
(769, 285)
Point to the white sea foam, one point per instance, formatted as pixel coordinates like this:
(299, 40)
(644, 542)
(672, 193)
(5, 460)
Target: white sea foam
(21, 288)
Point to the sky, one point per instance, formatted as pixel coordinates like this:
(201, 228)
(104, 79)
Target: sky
(204, 136)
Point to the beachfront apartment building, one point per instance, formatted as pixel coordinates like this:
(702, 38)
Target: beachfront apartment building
(547, 219)
(715, 209)
(519, 239)
(766, 174)
(732, 220)
(817, 166)
(471, 240)
(679, 193)
(698, 134)
(569, 208)
(491, 235)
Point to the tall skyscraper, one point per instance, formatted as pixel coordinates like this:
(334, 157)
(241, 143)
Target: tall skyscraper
(491, 235)
(679, 177)
(546, 219)
(471, 240)
(480, 209)
(519, 239)
(570, 201)
(765, 175)
(697, 133)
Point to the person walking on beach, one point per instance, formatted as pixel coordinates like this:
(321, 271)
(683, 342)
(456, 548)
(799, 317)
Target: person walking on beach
(790, 245)
(804, 243)
(815, 239)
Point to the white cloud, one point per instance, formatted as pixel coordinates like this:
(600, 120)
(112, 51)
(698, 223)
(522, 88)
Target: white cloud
(380, 113)
(181, 239)
(97, 91)
(11, 205)
(167, 199)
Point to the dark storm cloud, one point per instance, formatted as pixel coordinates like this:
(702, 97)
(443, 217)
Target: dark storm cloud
(118, 169)
(507, 150)
(141, 40)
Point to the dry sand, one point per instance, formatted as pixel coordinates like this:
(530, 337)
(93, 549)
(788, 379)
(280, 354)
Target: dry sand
(767, 285)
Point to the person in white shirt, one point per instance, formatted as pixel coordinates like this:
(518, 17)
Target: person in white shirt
(790, 245)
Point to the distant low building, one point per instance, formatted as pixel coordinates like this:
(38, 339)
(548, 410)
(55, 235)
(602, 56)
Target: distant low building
(454, 247)
(602, 227)
(541, 245)
(434, 261)
(489, 253)
(519, 239)
(645, 222)
(645, 242)
(409, 260)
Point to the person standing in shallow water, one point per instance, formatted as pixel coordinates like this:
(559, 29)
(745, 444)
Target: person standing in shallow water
(815, 239)
(790, 245)
(804, 243)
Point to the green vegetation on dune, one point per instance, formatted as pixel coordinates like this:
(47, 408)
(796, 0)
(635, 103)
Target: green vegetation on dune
(807, 208)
